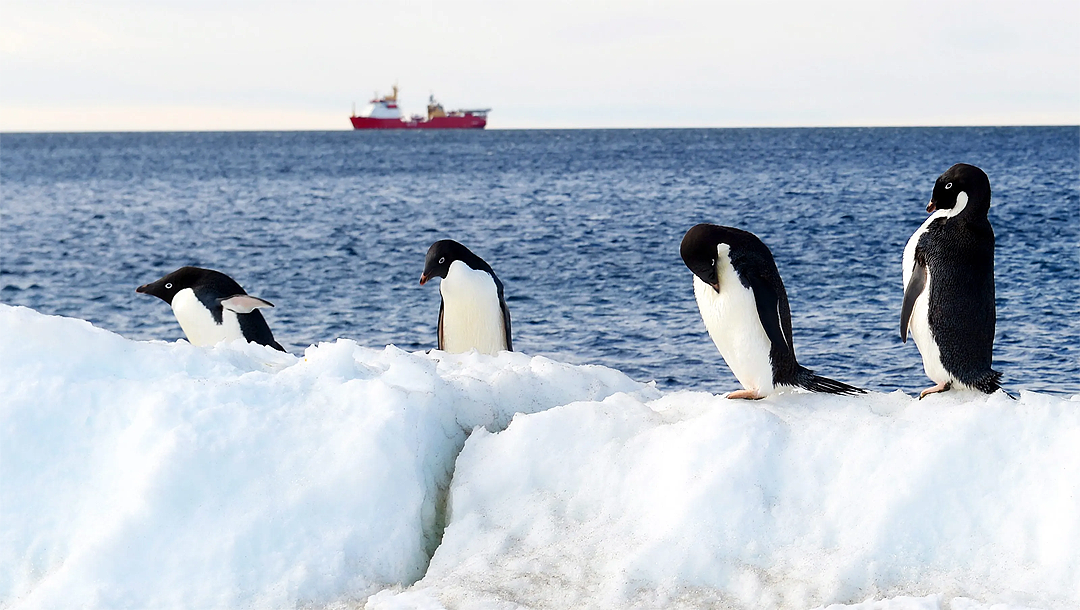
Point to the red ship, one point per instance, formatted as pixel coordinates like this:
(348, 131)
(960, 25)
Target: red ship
(383, 113)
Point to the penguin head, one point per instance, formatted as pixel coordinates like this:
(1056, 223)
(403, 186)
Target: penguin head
(444, 252)
(202, 281)
(961, 188)
(167, 287)
(699, 252)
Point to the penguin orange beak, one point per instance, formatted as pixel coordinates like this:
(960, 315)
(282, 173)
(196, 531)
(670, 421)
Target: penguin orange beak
(931, 207)
(423, 278)
(143, 289)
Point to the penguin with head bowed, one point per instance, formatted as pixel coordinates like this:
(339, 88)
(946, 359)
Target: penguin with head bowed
(473, 313)
(949, 284)
(211, 307)
(745, 309)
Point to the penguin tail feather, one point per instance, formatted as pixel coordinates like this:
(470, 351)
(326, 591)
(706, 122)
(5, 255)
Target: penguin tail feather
(989, 382)
(816, 383)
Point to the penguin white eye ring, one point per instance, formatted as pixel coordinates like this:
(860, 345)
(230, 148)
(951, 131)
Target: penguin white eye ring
(168, 286)
(948, 186)
(442, 260)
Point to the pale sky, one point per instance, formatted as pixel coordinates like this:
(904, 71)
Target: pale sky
(123, 65)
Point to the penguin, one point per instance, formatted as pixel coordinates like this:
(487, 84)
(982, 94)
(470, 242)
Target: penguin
(949, 284)
(211, 307)
(745, 309)
(473, 312)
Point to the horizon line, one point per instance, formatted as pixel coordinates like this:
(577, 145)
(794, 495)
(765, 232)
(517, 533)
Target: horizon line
(608, 128)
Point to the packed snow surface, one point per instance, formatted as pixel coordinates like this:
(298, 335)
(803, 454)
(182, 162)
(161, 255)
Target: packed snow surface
(153, 474)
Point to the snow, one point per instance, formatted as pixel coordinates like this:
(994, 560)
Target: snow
(693, 500)
(153, 474)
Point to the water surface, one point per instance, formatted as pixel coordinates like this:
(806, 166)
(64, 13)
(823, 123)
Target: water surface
(583, 228)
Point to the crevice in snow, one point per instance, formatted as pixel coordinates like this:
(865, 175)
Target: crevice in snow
(433, 531)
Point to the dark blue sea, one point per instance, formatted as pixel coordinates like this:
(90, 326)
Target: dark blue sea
(583, 228)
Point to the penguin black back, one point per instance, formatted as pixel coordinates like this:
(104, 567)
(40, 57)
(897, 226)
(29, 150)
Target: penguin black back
(954, 254)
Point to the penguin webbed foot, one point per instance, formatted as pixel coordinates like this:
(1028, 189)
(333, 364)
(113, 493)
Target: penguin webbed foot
(745, 395)
(941, 387)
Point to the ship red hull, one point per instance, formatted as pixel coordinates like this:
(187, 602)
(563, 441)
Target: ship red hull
(468, 121)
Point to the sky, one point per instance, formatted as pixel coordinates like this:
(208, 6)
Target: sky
(145, 65)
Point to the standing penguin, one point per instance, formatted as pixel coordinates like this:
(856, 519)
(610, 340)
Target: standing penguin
(473, 313)
(212, 308)
(745, 309)
(949, 284)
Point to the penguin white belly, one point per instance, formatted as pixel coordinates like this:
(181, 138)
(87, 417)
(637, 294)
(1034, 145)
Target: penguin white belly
(199, 325)
(472, 317)
(924, 337)
(919, 323)
(731, 318)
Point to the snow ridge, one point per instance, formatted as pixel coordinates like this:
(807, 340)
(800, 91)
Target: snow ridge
(169, 476)
(152, 474)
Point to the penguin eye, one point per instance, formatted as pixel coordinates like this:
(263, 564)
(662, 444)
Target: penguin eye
(442, 260)
(948, 186)
(168, 285)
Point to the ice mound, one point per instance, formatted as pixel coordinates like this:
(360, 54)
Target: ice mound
(801, 500)
(161, 475)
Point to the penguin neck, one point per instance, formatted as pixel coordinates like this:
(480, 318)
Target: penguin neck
(959, 207)
(726, 274)
(965, 209)
(461, 275)
(474, 262)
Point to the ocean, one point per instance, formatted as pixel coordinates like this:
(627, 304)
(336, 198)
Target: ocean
(582, 227)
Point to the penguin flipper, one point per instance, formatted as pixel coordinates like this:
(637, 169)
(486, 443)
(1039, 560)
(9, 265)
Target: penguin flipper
(244, 303)
(915, 287)
(506, 324)
(442, 306)
(768, 309)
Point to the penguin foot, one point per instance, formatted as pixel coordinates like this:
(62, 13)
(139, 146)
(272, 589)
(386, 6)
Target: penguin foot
(745, 395)
(941, 387)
